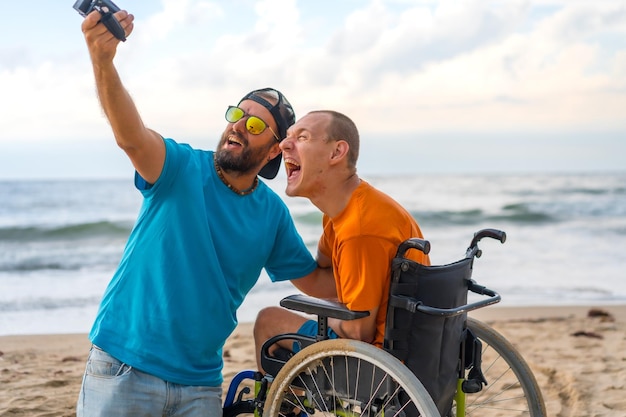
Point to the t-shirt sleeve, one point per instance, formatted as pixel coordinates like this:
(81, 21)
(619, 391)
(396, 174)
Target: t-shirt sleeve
(173, 154)
(290, 258)
(363, 269)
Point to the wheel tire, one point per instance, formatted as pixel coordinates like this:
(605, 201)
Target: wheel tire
(318, 372)
(512, 388)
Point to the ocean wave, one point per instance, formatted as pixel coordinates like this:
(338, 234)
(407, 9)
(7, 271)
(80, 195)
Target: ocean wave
(54, 256)
(66, 232)
(513, 213)
(521, 213)
(588, 191)
(38, 265)
(67, 262)
(571, 191)
(309, 218)
(47, 303)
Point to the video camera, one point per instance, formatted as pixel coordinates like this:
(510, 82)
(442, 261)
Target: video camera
(106, 9)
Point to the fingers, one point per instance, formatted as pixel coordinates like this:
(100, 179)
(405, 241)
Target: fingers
(90, 21)
(126, 20)
(91, 24)
(101, 43)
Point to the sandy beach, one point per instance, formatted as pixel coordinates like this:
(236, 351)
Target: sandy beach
(578, 358)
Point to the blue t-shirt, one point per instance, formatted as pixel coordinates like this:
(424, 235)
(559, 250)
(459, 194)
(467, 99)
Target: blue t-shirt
(195, 251)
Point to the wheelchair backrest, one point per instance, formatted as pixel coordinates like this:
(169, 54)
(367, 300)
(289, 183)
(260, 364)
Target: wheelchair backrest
(429, 344)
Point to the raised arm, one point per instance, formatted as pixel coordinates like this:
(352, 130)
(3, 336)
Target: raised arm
(144, 147)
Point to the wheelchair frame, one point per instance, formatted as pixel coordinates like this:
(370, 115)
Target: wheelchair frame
(350, 378)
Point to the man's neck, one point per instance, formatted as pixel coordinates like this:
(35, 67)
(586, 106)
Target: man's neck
(336, 195)
(241, 184)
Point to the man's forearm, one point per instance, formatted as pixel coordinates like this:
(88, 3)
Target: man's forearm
(320, 283)
(118, 107)
(360, 329)
(144, 147)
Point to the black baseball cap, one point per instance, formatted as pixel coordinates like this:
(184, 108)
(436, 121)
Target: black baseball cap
(284, 116)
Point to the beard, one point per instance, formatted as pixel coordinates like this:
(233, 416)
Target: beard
(244, 162)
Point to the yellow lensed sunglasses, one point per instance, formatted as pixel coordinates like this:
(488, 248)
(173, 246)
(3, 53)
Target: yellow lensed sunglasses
(254, 124)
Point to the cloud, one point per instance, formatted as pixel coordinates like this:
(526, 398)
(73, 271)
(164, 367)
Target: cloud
(13, 58)
(394, 66)
(580, 20)
(177, 15)
(531, 79)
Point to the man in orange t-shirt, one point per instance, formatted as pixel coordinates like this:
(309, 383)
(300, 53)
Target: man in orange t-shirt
(362, 228)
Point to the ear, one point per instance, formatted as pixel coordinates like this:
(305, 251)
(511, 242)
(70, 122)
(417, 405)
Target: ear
(340, 152)
(274, 151)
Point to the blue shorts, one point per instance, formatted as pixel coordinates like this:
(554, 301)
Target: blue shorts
(309, 328)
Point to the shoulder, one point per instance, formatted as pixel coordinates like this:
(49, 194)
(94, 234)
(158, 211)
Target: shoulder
(367, 190)
(185, 158)
(182, 161)
(271, 201)
(172, 145)
(368, 200)
(374, 213)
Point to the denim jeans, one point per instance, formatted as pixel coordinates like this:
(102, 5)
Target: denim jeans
(112, 388)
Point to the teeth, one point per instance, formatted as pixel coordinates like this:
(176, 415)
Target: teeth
(233, 139)
(292, 162)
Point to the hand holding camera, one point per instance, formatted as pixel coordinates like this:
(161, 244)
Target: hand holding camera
(106, 8)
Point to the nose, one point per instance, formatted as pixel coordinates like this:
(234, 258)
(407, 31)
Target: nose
(286, 143)
(240, 126)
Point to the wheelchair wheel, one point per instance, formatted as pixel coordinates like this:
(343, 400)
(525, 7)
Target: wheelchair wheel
(512, 389)
(347, 378)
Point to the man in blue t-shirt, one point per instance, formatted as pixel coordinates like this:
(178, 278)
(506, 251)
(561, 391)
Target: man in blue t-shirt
(206, 229)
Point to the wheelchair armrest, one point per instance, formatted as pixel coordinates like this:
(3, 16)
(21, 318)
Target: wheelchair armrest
(272, 364)
(320, 307)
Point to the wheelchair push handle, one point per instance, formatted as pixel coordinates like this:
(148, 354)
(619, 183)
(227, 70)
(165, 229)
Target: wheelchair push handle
(474, 250)
(413, 243)
(413, 305)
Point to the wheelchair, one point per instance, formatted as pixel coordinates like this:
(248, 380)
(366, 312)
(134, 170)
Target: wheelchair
(435, 362)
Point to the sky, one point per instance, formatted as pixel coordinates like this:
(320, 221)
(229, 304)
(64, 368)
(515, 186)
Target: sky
(448, 86)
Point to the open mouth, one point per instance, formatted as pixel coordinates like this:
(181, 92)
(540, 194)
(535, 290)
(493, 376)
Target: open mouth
(291, 166)
(234, 141)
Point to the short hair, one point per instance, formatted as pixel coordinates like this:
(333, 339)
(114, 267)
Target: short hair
(341, 127)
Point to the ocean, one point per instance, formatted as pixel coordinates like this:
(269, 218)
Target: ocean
(60, 240)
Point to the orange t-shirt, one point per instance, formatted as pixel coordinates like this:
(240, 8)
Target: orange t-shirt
(361, 242)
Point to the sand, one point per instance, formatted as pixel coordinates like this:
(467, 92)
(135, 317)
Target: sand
(578, 359)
